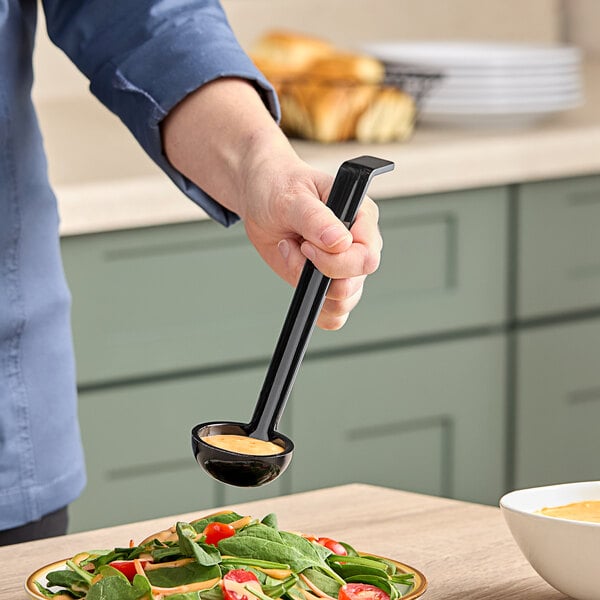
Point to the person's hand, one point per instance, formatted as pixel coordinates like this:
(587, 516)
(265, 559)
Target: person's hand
(224, 140)
(286, 220)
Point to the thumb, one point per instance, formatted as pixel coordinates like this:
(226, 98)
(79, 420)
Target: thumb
(316, 223)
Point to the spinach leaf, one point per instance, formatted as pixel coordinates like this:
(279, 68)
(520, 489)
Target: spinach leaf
(349, 549)
(48, 594)
(81, 572)
(214, 593)
(175, 576)
(352, 568)
(162, 553)
(65, 579)
(325, 583)
(263, 542)
(279, 588)
(346, 571)
(111, 588)
(365, 561)
(142, 586)
(108, 571)
(204, 554)
(270, 520)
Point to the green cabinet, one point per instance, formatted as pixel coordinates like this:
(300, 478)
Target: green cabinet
(558, 404)
(559, 246)
(428, 418)
(443, 268)
(169, 299)
(557, 332)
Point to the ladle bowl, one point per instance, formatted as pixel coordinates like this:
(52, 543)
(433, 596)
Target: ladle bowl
(245, 470)
(249, 470)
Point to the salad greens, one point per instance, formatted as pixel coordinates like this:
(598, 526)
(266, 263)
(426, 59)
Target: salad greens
(227, 556)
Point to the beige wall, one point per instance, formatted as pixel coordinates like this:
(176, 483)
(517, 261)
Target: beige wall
(348, 21)
(582, 25)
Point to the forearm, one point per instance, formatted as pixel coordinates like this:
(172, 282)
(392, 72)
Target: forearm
(217, 135)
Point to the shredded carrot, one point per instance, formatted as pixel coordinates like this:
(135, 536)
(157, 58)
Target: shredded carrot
(314, 588)
(275, 573)
(307, 594)
(131, 544)
(138, 567)
(241, 522)
(184, 589)
(161, 536)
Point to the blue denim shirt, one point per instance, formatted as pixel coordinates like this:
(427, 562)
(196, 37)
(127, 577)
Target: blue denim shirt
(142, 57)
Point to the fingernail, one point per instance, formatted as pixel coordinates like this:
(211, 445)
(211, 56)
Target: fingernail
(334, 235)
(284, 249)
(308, 251)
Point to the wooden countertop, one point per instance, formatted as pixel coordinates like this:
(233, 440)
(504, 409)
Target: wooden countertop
(465, 550)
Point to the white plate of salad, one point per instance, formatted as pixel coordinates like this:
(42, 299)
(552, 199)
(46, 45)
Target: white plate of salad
(227, 556)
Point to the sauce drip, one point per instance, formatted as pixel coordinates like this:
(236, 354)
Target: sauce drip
(576, 511)
(243, 444)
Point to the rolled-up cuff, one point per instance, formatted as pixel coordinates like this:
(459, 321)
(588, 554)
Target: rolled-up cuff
(162, 72)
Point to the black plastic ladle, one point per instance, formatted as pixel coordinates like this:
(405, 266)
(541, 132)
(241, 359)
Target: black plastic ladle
(246, 470)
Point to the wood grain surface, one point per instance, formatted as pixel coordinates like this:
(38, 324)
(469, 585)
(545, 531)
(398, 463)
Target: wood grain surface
(465, 550)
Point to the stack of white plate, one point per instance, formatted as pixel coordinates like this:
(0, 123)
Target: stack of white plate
(490, 84)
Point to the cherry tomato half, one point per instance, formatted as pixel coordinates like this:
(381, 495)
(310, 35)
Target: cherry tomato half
(334, 546)
(215, 532)
(127, 567)
(361, 591)
(235, 582)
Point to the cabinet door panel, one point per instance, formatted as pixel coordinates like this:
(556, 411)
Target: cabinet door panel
(138, 449)
(558, 408)
(169, 299)
(443, 268)
(559, 246)
(428, 418)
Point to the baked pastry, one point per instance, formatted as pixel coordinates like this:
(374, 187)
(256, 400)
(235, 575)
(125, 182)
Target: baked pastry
(344, 67)
(324, 112)
(332, 96)
(287, 53)
(390, 116)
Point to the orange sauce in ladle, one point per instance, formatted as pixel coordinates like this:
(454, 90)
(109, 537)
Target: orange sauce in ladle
(243, 444)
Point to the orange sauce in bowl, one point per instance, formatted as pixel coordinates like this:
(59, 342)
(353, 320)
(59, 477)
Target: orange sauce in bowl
(588, 511)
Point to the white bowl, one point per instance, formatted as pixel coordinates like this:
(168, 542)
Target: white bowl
(565, 553)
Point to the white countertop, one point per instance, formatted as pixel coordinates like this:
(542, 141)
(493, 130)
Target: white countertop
(104, 182)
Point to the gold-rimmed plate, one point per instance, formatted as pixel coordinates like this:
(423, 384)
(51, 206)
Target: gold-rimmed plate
(39, 576)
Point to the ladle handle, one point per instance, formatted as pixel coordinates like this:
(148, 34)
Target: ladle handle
(345, 198)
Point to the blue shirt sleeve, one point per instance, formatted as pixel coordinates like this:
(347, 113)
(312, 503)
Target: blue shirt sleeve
(142, 57)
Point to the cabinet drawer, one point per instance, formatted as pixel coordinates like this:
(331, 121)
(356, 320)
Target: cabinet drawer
(170, 298)
(558, 408)
(443, 268)
(138, 450)
(427, 419)
(559, 246)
